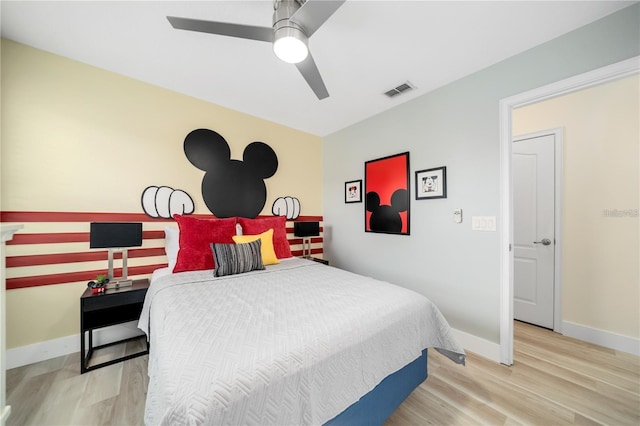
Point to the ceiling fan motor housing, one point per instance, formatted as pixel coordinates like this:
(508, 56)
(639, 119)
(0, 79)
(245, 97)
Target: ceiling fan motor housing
(283, 10)
(290, 42)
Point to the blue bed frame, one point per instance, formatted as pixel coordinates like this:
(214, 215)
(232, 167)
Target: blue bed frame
(377, 405)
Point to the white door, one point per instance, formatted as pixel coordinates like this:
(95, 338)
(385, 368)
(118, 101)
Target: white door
(533, 229)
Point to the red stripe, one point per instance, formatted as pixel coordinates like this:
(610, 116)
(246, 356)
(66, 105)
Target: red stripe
(313, 251)
(38, 280)
(299, 240)
(75, 217)
(54, 259)
(103, 217)
(153, 235)
(69, 237)
(306, 218)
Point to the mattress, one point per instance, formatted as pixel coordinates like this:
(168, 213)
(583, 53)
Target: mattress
(296, 343)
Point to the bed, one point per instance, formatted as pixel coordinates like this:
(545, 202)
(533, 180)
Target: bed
(296, 343)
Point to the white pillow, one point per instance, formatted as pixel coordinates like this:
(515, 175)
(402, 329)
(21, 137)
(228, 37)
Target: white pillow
(172, 245)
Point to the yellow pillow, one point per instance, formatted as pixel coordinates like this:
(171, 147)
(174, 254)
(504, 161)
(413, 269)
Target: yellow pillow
(266, 245)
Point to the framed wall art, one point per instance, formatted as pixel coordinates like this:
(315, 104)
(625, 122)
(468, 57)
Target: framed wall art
(431, 183)
(387, 196)
(353, 191)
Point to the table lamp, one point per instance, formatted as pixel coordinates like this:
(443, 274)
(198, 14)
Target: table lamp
(116, 237)
(306, 230)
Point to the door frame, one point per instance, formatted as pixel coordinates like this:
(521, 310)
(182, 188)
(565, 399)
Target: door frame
(558, 146)
(596, 77)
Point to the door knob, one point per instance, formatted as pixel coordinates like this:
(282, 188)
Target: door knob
(544, 242)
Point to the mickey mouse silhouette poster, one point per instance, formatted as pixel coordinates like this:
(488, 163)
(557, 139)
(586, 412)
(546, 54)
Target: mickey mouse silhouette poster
(387, 195)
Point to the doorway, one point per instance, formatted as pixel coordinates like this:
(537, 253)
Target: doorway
(506, 106)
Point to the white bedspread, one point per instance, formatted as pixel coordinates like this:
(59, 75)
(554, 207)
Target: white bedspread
(295, 344)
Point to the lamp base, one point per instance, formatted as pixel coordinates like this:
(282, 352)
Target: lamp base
(114, 285)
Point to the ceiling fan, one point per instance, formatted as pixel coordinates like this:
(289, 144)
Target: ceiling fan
(294, 21)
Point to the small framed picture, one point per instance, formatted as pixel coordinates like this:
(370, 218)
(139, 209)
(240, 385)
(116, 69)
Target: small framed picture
(431, 183)
(353, 191)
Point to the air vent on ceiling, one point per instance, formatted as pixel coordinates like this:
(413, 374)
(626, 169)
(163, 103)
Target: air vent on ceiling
(399, 89)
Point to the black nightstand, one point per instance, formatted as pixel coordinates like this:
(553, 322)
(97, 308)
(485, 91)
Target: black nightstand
(109, 308)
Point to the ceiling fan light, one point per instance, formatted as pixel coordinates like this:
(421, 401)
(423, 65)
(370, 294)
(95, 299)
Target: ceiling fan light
(290, 45)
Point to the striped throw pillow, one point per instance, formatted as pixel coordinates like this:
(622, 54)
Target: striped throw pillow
(230, 259)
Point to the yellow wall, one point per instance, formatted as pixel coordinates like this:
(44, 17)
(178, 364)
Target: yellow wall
(600, 257)
(77, 138)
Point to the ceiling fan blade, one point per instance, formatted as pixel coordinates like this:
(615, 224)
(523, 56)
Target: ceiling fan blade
(223, 28)
(314, 13)
(310, 72)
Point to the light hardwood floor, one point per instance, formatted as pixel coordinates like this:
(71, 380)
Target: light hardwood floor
(53, 392)
(554, 380)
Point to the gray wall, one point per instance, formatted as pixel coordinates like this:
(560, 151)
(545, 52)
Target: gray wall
(455, 126)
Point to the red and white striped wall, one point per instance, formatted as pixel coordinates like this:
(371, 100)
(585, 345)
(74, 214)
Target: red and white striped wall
(53, 247)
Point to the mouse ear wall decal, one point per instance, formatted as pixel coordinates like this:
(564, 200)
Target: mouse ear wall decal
(261, 159)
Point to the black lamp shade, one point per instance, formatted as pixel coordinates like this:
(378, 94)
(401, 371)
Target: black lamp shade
(115, 235)
(306, 229)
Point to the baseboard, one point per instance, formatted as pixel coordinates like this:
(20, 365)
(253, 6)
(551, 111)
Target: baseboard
(478, 345)
(41, 351)
(6, 412)
(602, 338)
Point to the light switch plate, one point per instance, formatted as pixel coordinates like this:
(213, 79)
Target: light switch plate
(483, 223)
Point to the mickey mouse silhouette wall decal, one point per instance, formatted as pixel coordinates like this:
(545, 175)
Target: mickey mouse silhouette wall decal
(231, 187)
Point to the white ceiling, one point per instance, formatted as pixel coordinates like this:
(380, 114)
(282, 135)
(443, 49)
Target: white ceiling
(364, 49)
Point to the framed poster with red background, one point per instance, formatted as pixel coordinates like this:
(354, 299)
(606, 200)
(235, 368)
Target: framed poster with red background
(387, 195)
